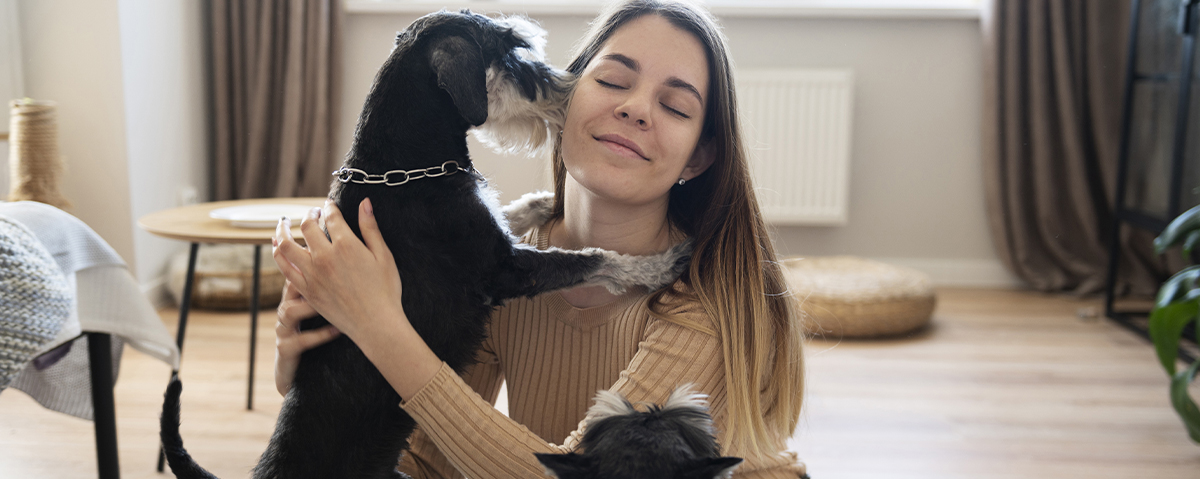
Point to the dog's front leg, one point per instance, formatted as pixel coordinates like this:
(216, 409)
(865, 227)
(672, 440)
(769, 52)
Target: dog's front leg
(535, 271)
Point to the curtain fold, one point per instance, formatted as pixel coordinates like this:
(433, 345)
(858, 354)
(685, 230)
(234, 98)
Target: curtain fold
(275, 67)
(1054, 83)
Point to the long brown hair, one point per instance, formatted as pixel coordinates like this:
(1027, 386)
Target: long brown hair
(734, 273)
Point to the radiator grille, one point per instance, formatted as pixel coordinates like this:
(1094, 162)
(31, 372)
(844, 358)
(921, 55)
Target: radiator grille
(797, 132)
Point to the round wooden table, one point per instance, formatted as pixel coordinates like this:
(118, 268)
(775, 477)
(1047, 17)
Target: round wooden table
(193, 224)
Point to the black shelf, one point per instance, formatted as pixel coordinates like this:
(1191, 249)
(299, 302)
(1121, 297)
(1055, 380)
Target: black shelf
(1156, 149)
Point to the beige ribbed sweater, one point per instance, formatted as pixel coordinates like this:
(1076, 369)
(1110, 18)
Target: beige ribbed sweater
(554, 357)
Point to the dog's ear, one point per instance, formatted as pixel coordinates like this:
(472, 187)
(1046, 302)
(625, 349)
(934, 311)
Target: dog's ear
(462, 72)
(711, 468)
(564, 466)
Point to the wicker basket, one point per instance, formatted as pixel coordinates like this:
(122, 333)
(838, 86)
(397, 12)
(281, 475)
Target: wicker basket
(224, 278)
(850, 297)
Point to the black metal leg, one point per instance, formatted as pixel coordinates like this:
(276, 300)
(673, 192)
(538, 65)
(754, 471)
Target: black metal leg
(1114, 246)
(103, 406)
(253, 325)
(184, 305)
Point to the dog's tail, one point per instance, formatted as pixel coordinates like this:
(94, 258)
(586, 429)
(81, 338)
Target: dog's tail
(181, 462)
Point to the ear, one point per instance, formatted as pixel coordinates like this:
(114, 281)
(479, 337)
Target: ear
(564, 466)
(461, 71)
(702, 157)
(712, 468)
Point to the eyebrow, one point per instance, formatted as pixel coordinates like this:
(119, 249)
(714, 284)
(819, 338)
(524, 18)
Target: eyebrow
(673, 82)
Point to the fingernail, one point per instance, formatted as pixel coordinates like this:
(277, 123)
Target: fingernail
(367, 207)
(274, 241)
(316, 212)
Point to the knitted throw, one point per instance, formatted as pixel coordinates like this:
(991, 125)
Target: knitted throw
(35, 299)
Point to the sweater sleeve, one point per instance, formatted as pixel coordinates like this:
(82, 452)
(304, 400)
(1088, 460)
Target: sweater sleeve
(482, 443)
(424, 460)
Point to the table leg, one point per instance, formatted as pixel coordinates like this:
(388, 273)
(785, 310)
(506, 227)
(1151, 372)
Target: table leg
(184, 304)
(253, 324)
(103, 406)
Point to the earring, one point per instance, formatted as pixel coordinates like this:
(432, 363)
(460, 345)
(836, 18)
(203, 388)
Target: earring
(682, 181)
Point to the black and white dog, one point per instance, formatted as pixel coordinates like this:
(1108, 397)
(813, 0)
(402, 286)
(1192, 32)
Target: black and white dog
(457, 256)
(673, 441)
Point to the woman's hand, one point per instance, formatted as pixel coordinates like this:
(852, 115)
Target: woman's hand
(290, 342)
(355, 286)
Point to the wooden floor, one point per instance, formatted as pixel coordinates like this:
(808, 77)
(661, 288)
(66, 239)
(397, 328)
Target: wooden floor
(1004, 384)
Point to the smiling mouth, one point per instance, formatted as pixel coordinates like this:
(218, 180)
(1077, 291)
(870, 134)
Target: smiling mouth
(620, 148)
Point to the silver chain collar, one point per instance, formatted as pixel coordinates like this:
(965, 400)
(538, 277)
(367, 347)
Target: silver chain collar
(400, 177)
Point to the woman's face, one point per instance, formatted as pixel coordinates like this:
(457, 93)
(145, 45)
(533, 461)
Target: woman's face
(637, 112)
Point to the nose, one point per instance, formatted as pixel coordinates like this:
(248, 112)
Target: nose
(635, 110)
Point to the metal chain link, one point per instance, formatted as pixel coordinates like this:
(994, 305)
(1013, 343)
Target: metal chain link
(355, 175)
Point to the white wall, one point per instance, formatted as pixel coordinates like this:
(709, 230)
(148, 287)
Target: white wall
(11, 79)
(166, 127)
(71, 51)
(128, 78)
(916, 179)
(916, 184)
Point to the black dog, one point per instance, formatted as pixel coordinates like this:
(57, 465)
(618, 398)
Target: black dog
(673, 441)
(457, 258)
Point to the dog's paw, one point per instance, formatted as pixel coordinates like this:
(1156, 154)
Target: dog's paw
(618, 272)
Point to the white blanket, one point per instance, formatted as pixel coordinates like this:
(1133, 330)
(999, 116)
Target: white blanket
(107, 299)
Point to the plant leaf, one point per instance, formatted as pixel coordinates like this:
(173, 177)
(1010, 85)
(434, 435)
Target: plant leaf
(1177, 230)
(1190, 243)
(1166, 328)
(1183, 402)
(1170, 290)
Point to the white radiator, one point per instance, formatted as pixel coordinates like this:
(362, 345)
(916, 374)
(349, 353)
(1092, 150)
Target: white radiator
(797, 132)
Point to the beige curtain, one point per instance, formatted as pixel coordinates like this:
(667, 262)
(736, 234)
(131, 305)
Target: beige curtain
(1054, 82)
(275, 68)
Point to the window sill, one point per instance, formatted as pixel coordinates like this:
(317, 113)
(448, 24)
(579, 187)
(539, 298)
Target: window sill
(879, 9)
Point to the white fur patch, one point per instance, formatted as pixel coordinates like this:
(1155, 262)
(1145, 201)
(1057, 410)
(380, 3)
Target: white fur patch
(516, 125)
(609, 404)
(683, 397)
(491, 198)
(621, 271)
(529, 31)
(532, 209)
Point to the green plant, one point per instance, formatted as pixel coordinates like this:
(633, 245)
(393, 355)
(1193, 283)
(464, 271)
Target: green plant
(1177, 305)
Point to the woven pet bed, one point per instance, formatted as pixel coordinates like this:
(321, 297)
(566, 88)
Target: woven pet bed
(224, 278)
(850, 297)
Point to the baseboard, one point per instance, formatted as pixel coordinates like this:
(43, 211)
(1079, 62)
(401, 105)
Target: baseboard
(155, 290)
(964, 273)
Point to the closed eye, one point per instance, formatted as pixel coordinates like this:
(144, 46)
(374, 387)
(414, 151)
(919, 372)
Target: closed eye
(609, 85)
(675, 112)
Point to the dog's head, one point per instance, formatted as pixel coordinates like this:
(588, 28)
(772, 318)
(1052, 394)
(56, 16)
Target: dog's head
(672, 441)
(527, 98)
(494, 71)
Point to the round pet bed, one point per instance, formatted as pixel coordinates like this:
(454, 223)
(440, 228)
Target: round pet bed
(224, 278)
(851, 297)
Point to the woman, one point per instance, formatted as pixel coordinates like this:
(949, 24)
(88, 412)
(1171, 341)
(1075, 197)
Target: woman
(650, 155)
